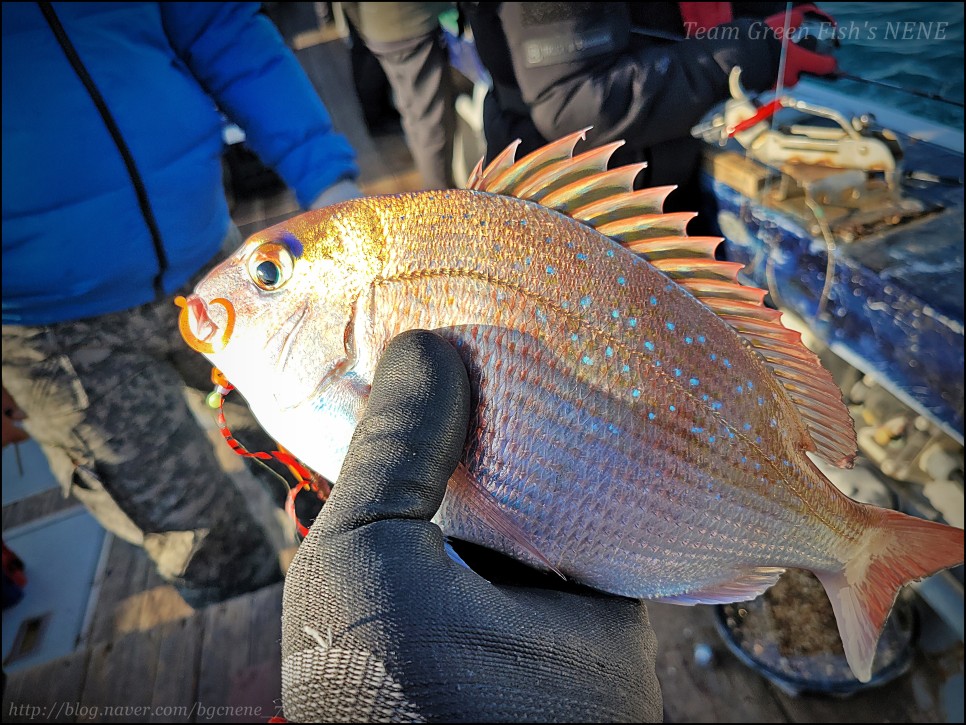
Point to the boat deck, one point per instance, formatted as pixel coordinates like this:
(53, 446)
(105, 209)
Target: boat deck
(148, 657)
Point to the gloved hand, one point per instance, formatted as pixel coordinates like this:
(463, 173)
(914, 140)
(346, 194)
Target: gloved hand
(379, 623)
(809, 55)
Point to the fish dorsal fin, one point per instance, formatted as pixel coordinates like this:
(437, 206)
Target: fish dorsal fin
(605, 199)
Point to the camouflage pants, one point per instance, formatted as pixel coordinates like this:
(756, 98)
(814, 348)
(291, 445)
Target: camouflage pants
(105, 400)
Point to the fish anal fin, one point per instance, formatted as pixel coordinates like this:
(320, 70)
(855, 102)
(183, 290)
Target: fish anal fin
(746, 586)
(482, 503)
(902, 549)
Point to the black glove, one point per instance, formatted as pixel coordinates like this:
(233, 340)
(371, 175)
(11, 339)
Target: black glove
(379, 623)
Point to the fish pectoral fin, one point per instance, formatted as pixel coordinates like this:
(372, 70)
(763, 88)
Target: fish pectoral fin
(747, 585)
(485, 506)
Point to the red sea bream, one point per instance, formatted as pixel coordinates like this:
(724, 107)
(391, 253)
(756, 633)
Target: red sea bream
(641, 420)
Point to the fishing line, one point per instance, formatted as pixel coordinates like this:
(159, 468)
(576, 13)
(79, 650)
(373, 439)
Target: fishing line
(830, 251)
(921, 94)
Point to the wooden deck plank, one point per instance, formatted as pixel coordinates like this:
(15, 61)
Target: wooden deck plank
(726, 691)
(225, 654)
(910, 698)
(118, 608)
(259, 686)
(729, 691)
(50, 692)
(176, 680)
(120, 678)
(36, 507)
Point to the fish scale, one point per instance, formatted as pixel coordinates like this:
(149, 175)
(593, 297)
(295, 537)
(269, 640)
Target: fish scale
(641, 421)
(427, 296)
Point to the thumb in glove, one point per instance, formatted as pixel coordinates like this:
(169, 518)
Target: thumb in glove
(380, 624)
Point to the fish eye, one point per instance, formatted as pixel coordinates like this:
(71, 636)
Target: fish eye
(270, 266)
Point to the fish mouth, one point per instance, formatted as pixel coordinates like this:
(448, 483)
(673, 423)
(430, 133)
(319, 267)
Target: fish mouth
(198, 329)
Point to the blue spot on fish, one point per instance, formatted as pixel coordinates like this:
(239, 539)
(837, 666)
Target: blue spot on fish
(610, 252)
(649, 345)
(587, 360)
(528, 261)
(688, 340)
(711, 439)
(727, 364)
(625, 368)
(697, 429)
(621, 281)
(632, 322)
(747, 426)
(551, 270)
(677, 372)
(653, 300)
(292, 243)
(713, 357)
(671, 408)
(585, 302)
(670, 325)
(716, 405)
(694, 381)
(651, 416)
(541, 316)
(609, 352)
(580, 255)
(615, 314)
(636, 393)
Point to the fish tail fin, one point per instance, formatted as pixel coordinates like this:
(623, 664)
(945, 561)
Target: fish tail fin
(901, 550)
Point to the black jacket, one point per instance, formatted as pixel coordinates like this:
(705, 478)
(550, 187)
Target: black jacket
(624, 68)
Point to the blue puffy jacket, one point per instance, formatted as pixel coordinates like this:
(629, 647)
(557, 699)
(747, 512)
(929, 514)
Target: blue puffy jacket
(76, 242)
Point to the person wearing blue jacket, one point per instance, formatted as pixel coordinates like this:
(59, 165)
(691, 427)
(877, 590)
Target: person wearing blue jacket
(113, 204)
